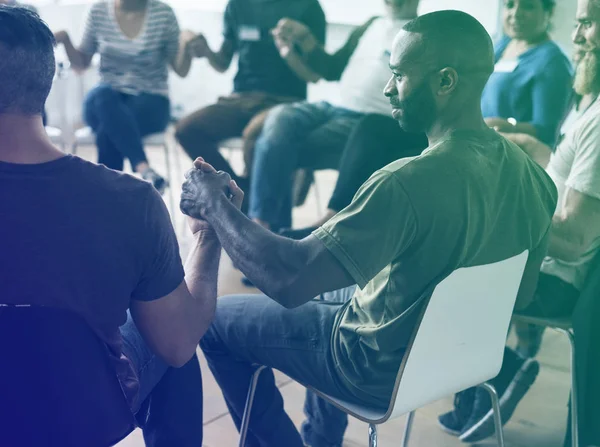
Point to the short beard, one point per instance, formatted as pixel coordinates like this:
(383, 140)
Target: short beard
(587, 75)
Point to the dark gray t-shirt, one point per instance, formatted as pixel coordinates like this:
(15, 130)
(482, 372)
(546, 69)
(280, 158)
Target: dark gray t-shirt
(79, 236)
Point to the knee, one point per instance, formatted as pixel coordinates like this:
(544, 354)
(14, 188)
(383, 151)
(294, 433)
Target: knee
(189, 132)
(96, 101)
(276, 130)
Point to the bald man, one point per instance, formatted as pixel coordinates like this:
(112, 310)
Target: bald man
(459, 204)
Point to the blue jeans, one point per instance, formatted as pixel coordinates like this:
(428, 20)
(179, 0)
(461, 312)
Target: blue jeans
(253, 329)
(120, 122)
(294, 136)
(170, 412)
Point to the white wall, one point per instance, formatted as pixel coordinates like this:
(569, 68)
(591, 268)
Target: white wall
(203, 85)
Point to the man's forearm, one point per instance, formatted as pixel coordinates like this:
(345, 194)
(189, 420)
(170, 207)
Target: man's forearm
(217, 61)
(271, 262)
(201, 275)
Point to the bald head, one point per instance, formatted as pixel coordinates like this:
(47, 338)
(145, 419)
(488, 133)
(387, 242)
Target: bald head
(449, 39)
(440, 64)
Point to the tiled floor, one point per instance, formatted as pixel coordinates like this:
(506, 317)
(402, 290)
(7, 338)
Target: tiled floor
(538, 422)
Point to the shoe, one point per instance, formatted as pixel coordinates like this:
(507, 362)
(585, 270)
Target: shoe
(454, 421)
(296, 234)
(157, 181)
(481, 423)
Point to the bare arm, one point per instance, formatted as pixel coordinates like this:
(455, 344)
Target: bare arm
(504, 126)
(182, 61)
(575, 226)
(290, 272)
(299, 66)
(220, 60)
(173, 325)
(79, 60)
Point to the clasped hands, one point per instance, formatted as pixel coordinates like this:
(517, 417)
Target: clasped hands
(203, 187)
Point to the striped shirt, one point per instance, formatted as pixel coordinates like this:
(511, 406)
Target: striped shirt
(138, 65)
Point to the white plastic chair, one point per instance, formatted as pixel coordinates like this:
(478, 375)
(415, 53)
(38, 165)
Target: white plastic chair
(459, 344)
(85, 136)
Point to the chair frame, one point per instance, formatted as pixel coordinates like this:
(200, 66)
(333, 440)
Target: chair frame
(374, 422)
(565, 327)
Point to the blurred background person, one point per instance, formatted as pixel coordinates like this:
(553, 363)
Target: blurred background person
(530, 90)
(265, 77)
(137, 41)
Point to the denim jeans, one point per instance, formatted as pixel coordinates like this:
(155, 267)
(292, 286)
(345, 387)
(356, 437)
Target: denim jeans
(120, 121)
(294, 136)
(253, 329)
(170, 412)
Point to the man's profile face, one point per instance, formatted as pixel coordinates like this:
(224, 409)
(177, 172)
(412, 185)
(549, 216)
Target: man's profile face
(586, 38)
(409, 90)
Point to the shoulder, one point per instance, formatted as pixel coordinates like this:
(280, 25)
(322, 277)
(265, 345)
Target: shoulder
(109, 184)
(99, 8)
(552, 57)
(161, 10)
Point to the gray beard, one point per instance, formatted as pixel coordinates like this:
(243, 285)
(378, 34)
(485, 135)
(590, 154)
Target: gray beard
(587, 75)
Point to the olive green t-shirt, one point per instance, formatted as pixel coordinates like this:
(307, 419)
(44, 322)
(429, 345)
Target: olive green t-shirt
(472, 199)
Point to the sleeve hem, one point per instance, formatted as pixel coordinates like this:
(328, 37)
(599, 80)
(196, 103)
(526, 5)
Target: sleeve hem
(340, 254)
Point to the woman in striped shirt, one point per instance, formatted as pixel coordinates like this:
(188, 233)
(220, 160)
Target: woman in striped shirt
(137, 40)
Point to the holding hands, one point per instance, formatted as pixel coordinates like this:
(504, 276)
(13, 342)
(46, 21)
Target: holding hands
(289, 33)
(203, 187)
(195, 44)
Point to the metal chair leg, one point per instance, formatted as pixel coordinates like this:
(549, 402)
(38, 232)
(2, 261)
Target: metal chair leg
(408, 429)
(574, 390)
(497, 415)
(248, 407)
(372, 435)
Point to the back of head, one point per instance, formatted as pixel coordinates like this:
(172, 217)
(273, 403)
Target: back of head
(457, 40)
(26, 61)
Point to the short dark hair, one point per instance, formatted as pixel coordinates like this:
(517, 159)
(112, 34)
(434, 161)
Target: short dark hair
(456, 39)
(27, 62)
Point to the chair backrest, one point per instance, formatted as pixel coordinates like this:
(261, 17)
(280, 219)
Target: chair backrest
(57, 384)
(461, 337)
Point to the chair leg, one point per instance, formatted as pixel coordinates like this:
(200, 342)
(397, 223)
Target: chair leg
(497, 415)
(248, 407)
(408, 429)
(170, 180)
(574, 390)
(372, 435)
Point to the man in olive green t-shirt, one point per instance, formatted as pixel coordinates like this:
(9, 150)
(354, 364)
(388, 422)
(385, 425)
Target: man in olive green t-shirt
(471, 198)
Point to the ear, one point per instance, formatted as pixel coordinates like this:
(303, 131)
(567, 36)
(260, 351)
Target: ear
(448, 81)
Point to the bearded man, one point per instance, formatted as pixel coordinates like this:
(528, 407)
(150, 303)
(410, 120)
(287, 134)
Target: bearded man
(574, 243)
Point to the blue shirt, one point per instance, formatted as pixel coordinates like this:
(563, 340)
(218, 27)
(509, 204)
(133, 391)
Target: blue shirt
(81, 237)
(537, 91)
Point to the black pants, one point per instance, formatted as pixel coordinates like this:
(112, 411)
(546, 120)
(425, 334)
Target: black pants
(376, 141)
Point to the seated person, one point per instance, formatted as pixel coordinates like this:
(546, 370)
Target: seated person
(574, 240)
(266, 75)
(372, 145)
(399, 222)
(530, 90)
(132, 100)
(531, 81)
(81, 237)
(314, 134)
